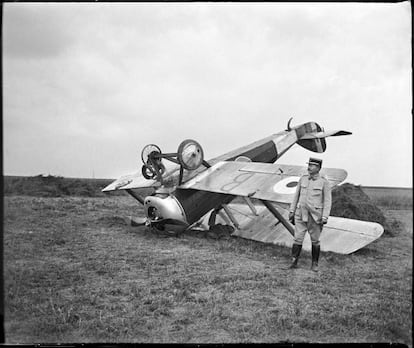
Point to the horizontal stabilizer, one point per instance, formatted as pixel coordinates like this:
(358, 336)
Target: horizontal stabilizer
(321, 135)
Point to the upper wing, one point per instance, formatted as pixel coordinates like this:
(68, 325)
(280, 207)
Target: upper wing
(266, 181)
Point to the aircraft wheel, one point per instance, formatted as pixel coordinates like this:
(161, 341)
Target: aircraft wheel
(147, 172)
(156, 168)
(161, 168)
(147, 150)
(190, 154)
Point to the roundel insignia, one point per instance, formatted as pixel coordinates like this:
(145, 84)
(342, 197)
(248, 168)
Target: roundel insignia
(287, 185)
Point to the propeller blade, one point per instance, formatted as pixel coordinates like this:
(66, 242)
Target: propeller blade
(138, 221)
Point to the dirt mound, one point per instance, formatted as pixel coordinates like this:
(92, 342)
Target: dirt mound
(220, 231)
(351, 202)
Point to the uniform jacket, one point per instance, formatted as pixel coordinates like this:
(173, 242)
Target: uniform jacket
(313, 196)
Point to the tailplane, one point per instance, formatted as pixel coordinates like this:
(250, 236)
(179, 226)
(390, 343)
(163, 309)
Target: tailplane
(311, 136)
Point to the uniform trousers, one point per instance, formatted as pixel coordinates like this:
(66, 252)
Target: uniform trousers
(311, 226)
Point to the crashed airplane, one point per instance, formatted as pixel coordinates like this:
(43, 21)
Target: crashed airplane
(196, 193)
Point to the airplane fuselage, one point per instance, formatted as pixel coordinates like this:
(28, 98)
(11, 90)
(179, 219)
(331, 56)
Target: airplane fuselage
(191, 205)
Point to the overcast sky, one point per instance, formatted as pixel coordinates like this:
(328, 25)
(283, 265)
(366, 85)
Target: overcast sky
(87, 85)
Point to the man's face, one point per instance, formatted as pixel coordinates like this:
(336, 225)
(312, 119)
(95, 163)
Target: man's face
(313, 169)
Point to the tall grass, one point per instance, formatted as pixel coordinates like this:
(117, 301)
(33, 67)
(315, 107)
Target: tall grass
(391, 198)
(393, 202)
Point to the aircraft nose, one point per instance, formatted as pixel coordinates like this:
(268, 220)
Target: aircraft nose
(152, 209)
(153, 213)
(160, 208)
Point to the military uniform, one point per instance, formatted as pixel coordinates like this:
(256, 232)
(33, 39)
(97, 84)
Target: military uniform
(309, 210)
(311, 203)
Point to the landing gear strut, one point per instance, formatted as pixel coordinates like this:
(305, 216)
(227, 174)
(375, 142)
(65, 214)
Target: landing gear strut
(189, 156)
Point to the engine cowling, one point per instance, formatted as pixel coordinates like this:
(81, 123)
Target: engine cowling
(164, 208)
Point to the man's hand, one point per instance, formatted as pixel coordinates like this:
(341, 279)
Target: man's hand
(324, 220)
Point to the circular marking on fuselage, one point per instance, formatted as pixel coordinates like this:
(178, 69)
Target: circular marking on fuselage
(287, 185)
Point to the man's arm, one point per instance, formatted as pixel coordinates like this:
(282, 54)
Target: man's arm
(295, 200)
(327, 201)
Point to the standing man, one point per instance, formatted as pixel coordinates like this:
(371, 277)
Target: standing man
(310, 210)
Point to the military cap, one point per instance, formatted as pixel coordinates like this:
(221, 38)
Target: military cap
(315, 161)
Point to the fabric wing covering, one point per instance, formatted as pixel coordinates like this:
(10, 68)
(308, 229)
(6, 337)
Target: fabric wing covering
(277, 183)
(339, 235)
(266, 181)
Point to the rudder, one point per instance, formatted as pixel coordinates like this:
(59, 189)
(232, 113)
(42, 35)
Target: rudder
(314, 145)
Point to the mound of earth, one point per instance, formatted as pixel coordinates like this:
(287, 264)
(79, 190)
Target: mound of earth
(351, 202)
(220, 231)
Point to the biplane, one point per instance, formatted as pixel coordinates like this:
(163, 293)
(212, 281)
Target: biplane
(244, 188)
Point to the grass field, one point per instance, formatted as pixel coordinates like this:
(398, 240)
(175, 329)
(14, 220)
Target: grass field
(390, 197)
(74, 271)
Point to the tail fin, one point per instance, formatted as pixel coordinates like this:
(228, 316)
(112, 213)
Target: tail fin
(314, 145)
(311, 136)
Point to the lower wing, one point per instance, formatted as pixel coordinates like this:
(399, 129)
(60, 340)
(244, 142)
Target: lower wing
(339, 235)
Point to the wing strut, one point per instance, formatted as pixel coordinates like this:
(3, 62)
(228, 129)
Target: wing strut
(231, 216)
(136, 196)
(279, 216)
(250, 204)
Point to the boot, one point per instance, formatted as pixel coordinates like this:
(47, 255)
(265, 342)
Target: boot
(296, 249)
(315, 257)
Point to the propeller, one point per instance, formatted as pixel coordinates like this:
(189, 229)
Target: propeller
(151, 157)
(138, 221)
